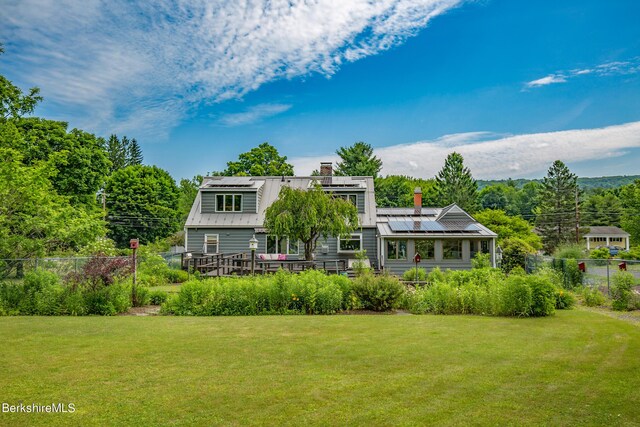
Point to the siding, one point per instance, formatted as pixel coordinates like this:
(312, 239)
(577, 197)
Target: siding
(208, 204)
(369, 243)
(234, 240)
(400, 266)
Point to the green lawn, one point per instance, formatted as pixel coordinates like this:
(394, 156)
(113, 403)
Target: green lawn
(574, 368)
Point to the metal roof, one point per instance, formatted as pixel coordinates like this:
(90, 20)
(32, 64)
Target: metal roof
(268, 189)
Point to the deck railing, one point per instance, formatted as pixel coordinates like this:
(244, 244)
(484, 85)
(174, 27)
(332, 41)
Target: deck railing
(239, 264)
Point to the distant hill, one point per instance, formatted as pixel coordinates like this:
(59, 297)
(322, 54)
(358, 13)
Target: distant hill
(584, 183)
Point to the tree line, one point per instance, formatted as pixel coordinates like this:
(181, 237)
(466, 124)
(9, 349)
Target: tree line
(61, 189)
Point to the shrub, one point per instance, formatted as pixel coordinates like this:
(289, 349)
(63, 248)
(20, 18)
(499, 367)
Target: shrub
(139, 295)
(415, 275)
(158, 297)
(602, 253)
(481, 260)
(621, 291)
(514, 253)
(564, 299)
(593, 297)
(107, 301)
(436, 275)
(311, 292)
(543, 296)
(177, 276)
(516, 297)
(568, 268)
(572, 251)
(100, 271)
(378, 293)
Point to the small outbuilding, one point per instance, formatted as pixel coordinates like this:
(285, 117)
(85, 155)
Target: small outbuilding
(607, 236)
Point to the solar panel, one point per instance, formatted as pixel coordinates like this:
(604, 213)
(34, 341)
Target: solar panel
(433, 226)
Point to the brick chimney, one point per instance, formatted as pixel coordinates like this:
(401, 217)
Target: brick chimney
(417, 201)
(326, 169)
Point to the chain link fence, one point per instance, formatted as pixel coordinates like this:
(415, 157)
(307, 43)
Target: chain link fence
(62, 266)
(594, 273)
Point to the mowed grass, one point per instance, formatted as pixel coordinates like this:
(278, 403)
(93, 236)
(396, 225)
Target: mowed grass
(575, 368)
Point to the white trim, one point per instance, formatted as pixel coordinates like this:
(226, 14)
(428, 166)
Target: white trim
(204, 246)
(278, 248)
(353, 235)
(233, 202)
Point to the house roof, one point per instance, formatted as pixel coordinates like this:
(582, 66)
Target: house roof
(600, 231)
(268, 189)
(450, 221)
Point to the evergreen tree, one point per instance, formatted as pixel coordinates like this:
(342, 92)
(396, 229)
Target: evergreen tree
(358, 160)
(454, 184)
(556, 219)
(116, 153)
(134, 153)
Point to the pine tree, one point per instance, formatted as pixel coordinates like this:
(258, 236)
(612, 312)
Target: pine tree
(556, 218)
(455, 184)
(358, 160)
(134, 154)
(116, 153)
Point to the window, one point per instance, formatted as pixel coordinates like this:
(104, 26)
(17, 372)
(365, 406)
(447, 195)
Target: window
(281, 245)
(396, 249)
(228, 203)
(598, 239)
(452, 249)
(425, 248)
(484, 246)
(352, 243)
(349, 198)
(210, 244)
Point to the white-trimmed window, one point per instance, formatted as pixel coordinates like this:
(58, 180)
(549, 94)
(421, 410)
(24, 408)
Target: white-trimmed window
(281, 245)
(211, 243)
(353, 243)
(396, 249)
(228, 202)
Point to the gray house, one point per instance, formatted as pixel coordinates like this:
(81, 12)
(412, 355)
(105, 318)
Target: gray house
(229, 211)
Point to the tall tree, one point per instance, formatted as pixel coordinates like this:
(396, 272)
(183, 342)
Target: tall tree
(116, 153)
(455, 184)
(630, 199)
(263, 160)
(358, 160)
(307, 215)
(556, 218)
(134, 153)
(601, 208)
(397, 191)
(188, 190)
(13, 102)
(34, 219)
(142, 202)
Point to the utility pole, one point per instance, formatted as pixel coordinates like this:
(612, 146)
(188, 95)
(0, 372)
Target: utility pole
(104, 206)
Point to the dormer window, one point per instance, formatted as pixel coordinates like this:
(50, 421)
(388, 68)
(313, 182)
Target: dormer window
(229, 203)
(349, 198)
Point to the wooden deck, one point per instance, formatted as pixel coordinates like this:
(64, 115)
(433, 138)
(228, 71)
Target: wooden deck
(239, 264)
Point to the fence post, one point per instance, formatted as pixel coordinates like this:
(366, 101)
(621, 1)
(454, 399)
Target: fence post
(608, 280)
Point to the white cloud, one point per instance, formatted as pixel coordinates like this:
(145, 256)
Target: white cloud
(103, 62)
(548, 80)
(613, 68)
(253, 114)
(508, 156)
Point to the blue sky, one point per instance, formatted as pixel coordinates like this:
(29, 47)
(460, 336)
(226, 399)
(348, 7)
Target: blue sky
(512, 85)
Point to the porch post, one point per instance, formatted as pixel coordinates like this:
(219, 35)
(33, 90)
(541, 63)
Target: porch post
(607, 240)
(493, 253)
(627, 243)
(588, 243)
